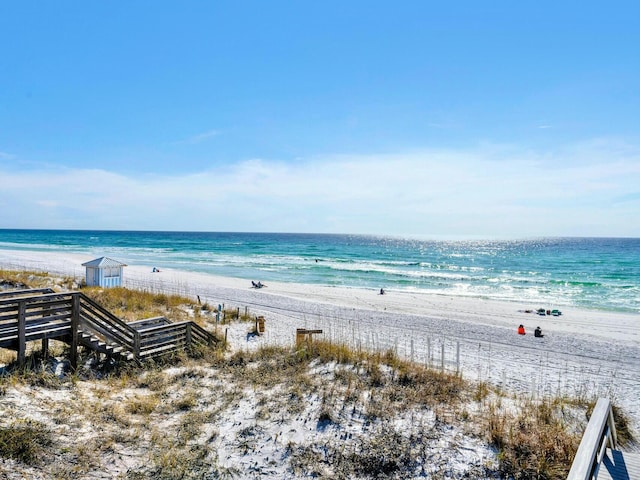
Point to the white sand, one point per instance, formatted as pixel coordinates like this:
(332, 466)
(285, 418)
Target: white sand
(584, 353)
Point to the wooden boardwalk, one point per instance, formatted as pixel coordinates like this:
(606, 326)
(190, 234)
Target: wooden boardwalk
(42, 315)
(618, 465)
(599, 456)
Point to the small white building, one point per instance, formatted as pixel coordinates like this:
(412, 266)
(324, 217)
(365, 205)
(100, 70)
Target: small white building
(104, 272)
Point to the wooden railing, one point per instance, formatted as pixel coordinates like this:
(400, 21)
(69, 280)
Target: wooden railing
(600, 433)
(104, 324)
(28, 318)
(12, 294)
(28, 315)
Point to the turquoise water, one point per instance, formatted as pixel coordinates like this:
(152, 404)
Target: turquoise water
(601, 273)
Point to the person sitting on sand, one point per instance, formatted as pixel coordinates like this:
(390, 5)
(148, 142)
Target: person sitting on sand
(521, 330)
(382, 291)
(538, 332)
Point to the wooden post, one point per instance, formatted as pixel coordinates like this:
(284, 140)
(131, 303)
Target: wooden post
(136, 345)
(188, 338)
(22, 332)
(75, 321)
(457, 357)
(442, 358)
(45, 348)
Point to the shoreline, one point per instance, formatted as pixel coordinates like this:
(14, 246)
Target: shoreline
(584, 353)
(609, 325)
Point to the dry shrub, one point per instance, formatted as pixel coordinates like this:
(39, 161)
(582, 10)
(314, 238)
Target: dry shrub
(481, 391)
(40, 378)
(110, 412)
(85, 458)
(384, 453)
(25, 440)
(141, 405)
(7, 356)
(327, 352)
(154, 380)
(171, 461)
(534, 443)
(433, 387)
(136, 304)
(623, 430)
(190, 426)
(187, 401)
(24, 279)
(266, 366)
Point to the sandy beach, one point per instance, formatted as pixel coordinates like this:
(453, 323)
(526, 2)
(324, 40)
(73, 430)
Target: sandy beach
(584, 353)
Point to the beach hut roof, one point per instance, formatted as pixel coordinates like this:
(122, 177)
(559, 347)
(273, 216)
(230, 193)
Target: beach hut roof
(104, 262)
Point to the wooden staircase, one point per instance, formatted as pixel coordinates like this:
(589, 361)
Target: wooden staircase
(42, 314)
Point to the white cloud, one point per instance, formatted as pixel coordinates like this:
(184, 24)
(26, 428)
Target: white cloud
(491, 191)
(200, 137)
(48, 203)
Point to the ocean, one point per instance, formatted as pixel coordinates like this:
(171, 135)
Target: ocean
(595, 273)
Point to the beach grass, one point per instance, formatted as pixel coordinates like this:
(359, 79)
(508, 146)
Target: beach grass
(133, 305)
(25, 440)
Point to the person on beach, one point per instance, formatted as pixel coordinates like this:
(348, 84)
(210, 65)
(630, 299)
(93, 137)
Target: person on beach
(382, 291)
(538, 332)
(521, 330)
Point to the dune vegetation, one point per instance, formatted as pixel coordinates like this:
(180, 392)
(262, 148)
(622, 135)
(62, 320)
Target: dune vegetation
(317, 409)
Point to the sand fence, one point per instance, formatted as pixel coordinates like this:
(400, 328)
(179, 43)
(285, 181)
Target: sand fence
(514, 367)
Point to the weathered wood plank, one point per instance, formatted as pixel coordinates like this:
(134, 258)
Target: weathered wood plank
(36, 298)
(23, 292)
(93, 317)
(598, 431)
(22, 342)
(149, 322)
(52, 333)
(618, 465)
(75, 324)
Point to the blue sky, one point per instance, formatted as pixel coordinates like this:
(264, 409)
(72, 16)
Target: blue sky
(493, 119)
